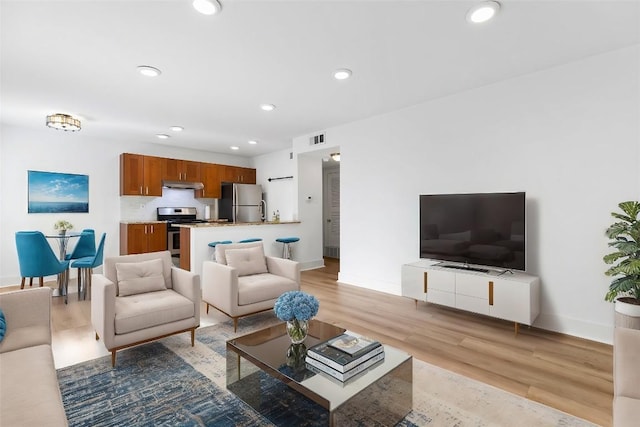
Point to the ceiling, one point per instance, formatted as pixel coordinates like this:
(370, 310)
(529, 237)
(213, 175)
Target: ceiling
(80, 57)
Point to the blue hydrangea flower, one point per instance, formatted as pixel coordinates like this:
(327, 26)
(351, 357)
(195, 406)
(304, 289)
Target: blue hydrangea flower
(296, 305)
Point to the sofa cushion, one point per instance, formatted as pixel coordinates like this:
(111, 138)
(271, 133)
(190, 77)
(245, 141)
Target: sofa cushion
(109, 266)
(29, 391)
(247, 260)
(142, 311)
(263, 287)
(221, 250)
(140, 277)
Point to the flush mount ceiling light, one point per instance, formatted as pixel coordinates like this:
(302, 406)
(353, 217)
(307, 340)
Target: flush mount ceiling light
(163, 136)
(335, 157)
(63, 122)
(177, 128)
(482, 12)
(268, 107)
(233, 147)
(253, 142)
(342, 74)
(149, 71)
(207, 7)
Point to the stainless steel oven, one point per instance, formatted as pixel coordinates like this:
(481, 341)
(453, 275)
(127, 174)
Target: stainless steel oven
(175, 216)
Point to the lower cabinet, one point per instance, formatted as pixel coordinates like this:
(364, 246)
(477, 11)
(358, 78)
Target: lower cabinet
(514, 297)
(139, 238)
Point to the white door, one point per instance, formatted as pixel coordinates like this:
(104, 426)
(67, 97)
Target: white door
(332, 213)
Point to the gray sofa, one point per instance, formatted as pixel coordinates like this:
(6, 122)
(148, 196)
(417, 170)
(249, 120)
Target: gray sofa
(29, 391)
(626, 377)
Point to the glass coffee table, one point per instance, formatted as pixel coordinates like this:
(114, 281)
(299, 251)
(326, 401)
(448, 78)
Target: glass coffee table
(383, 393)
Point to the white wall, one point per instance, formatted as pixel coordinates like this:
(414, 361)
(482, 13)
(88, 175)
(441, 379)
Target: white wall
(568, 136)
(279, 194)
(54, 151)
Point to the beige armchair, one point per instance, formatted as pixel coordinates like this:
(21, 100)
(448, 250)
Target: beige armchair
(626, 377)
(142, 298)
(243, 281)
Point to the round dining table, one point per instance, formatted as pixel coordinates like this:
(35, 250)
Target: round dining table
(63, 277)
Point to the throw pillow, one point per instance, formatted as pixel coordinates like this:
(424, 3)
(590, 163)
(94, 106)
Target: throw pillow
(3, 325)
(140, 277)
(247, 261)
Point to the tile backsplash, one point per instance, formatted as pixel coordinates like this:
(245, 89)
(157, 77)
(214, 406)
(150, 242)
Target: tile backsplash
(138, 208)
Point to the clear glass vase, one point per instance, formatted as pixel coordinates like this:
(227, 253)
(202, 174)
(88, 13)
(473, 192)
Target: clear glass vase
(297, 330)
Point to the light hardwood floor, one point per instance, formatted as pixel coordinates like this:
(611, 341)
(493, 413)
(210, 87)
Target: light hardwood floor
(571, 374)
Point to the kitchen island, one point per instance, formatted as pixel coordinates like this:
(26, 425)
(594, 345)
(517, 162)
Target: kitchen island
(195, 238)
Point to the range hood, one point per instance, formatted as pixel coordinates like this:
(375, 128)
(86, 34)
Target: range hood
(183, 185)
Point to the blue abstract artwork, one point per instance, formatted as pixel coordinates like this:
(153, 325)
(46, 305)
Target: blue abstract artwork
(53, 192)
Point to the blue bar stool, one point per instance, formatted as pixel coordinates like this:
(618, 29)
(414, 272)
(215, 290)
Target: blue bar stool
(220, 242)
(250, 240)
(286, 245)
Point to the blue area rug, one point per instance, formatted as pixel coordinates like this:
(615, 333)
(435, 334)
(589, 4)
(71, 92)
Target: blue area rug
(170, 383)
(152, 385)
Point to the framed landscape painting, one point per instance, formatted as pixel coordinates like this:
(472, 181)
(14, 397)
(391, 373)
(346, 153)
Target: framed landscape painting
(52, 192)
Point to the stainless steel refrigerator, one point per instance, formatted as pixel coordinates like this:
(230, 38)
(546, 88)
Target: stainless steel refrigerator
(242, 203)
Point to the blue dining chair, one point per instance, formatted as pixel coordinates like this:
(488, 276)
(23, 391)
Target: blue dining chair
(37, 259)
(86, 245)
(85, 266)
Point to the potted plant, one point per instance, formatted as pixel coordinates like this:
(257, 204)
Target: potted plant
(625, 264)
(62, 226)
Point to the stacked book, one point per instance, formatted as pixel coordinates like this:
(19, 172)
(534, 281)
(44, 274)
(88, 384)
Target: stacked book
(344, 356)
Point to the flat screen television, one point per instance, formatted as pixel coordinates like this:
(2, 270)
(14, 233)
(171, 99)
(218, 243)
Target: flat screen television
(482, 229)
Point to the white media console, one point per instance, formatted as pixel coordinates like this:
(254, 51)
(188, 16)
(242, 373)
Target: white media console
(509, 296)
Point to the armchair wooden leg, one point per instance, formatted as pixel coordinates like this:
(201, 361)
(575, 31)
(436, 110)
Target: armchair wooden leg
(30, 281)
(235, 324)
(97, 337)
(41, 281)
(113, 358)
(22, 284)
(193, 337)
(207, 307)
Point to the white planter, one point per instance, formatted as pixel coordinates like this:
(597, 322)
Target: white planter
(627, 315)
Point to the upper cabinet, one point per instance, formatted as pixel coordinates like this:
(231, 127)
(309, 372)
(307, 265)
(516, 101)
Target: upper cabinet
(210, 175)
(238, 174)
(140, 175)
(181, 170)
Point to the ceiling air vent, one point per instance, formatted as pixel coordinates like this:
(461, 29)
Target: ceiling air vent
(317, 139)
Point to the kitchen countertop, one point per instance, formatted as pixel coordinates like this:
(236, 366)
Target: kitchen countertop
(143, 222)
(232, 224)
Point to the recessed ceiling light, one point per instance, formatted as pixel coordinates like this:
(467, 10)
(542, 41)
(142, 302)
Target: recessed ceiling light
(335, 157)
(149, 71)
(268, 107)
(207, 7)
(253, 142)
(233, 147)
(177, 128)
(482, 12)
(163, 136)
(342, 74)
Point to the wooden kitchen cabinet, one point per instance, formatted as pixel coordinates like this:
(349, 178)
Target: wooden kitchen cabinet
(140, 238)
(210, 175)
(181, 170)
(140, 175)
(238, 174)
